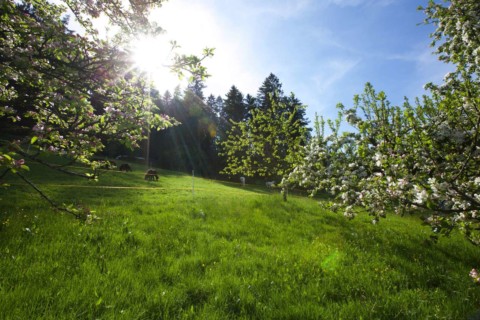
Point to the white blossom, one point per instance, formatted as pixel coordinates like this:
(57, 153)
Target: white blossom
(421, 195)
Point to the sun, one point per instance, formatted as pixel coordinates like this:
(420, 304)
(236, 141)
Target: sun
(153, 55)
(150, 53)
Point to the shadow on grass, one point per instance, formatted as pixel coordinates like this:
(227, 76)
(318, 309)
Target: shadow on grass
(414, 255)
(169, 173)
(248, 187)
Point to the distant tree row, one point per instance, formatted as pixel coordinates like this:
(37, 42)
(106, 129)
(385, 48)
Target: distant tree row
(214, 131)
(265, 138)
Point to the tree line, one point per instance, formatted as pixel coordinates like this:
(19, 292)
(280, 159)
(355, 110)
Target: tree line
(215, 132)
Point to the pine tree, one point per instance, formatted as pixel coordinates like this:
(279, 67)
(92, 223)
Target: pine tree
(211, 102)
(270, 92)
(196, 86)
(218, 105)
(234, 109)
(167, 99)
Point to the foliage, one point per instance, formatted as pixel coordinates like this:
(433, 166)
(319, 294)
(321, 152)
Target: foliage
(456, 35)
(266, 133)
(266, 145)
(423, 156)
(70, 93)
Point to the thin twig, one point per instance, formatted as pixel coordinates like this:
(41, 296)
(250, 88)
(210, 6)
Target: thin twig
(54, 167)
(44, 196)
(4, 173)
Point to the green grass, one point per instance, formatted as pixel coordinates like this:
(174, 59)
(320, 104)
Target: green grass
(159, 252)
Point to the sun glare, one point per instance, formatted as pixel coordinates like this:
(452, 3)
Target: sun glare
(190, 25)
(150, 53)
(153, 55)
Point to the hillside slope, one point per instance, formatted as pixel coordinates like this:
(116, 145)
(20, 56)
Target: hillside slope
(158, 250)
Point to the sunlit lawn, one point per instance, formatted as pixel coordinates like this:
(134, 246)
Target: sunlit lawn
(159, 250)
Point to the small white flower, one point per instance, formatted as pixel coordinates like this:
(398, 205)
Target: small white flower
(421, 195)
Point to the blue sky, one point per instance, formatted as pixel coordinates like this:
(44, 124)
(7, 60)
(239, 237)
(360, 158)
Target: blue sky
(324, 51)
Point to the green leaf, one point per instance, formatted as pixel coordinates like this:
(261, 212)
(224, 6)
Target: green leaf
(34, 138)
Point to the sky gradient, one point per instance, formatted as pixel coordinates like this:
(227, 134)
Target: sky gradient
(323, 51)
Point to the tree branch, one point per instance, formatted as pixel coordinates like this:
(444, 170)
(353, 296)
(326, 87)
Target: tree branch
(54, 167)
(4, 173)
(44, 196)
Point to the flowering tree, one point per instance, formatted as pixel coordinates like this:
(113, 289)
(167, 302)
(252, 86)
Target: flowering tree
(268, 144)
(424, 156)
(68, 93)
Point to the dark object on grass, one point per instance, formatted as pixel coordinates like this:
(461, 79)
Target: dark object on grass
(125, 167)
(151, 175)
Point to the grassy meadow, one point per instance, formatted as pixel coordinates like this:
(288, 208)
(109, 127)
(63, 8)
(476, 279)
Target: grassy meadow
(159, 251)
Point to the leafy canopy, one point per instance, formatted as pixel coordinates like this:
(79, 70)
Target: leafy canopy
(69, 93)
(423, 156)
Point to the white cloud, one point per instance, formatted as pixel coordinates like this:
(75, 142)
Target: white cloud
(332, 72)
(427, 66)
(228, 68)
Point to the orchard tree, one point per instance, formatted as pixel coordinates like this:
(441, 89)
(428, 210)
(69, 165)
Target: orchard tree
(68, 93)
(420, 157)
(456, 36)
(267, 145)
(356, 168)
(250, 103)
(294, 105)
(265, 140)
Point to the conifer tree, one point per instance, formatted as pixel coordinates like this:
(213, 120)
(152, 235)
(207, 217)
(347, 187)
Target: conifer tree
(270, 92)
(234, 108)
